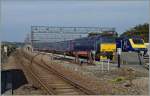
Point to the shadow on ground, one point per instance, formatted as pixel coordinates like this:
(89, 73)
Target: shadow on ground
(12, 79)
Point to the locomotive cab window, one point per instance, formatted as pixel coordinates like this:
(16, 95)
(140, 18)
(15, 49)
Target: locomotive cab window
(138, 41)
(108, 40)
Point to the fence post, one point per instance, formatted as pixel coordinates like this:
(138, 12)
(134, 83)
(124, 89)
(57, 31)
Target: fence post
(108, 64)
(102, 66)
(51, 58)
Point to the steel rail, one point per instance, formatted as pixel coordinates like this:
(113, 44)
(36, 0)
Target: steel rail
(73, 83)
(60, 75)
(47, 89)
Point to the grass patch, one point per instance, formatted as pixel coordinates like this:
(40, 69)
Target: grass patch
(118, 79)
(97, 62)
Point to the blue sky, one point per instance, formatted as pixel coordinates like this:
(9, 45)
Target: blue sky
(17, 16)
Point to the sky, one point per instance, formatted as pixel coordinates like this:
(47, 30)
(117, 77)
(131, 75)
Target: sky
(17, 17)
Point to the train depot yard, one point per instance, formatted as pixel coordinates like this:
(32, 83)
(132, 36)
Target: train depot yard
(100, 63)
(72, 47)
(50, 75)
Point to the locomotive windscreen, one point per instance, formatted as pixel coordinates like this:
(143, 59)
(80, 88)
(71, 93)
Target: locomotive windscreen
(108, 39)
(138, 41)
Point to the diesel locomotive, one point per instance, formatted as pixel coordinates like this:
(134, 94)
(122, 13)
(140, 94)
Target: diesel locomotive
(103, 45)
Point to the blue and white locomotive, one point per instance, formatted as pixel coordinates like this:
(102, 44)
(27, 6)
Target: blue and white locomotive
(134, 44)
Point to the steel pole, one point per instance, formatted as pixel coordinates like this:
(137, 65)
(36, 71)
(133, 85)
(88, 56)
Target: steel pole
(118, 60)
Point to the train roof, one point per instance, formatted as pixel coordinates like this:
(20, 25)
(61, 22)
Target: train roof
(89, 37)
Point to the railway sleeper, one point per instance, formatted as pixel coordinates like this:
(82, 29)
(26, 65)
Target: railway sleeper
(56, 85)
(72, 93)
(68, 91)
(64, 87)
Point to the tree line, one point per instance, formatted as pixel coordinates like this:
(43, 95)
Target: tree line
(139, 30)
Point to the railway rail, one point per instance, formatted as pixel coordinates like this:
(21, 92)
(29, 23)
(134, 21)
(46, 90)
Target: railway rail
(146, 60)
(51, 81)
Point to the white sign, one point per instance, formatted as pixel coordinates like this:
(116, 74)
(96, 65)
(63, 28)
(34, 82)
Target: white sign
(5, 49)
(93, 52)
(119, 50)
(142, 52)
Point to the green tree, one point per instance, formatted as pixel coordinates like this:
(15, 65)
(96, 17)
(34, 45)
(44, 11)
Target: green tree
(141, 30)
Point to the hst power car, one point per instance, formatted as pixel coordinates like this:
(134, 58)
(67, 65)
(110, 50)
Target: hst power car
(134, 44)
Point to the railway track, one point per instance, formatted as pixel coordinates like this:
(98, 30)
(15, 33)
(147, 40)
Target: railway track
(53, 82)
(146, 60)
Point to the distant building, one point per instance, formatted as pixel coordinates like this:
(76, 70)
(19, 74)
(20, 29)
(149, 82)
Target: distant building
(12, 44)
